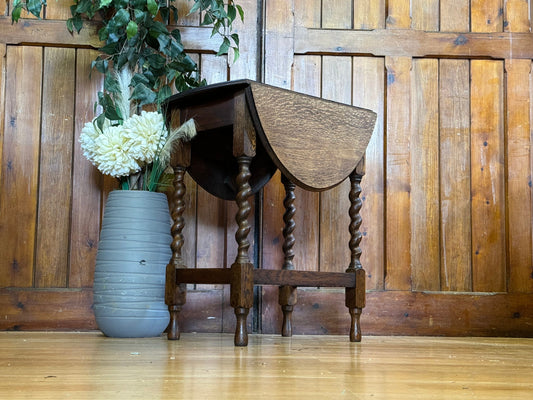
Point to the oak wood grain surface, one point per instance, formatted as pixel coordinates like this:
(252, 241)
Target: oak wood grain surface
(207, 366)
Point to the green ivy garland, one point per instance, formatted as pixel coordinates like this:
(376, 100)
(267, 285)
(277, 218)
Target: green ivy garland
(135, 35)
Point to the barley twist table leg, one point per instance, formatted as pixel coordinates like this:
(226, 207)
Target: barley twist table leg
(175, 295)
(241, 296)
(287, 294)
(355, 297)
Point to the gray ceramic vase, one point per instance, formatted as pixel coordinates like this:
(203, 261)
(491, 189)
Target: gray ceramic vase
(133, 252)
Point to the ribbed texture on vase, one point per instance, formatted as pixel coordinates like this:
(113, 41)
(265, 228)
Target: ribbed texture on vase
(133, 251)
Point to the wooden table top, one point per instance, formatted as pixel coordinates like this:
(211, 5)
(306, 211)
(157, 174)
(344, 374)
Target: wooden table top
(316, 143)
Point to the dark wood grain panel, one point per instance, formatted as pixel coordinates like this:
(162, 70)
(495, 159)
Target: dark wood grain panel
(55, 168)
(488, 182)
(368, 92)
(398, 173)
(455, 177)
(519, 187)
(424, 146)
(334, 254)
(20, 165)
(398, 14)
(87, 182)
(47, 309)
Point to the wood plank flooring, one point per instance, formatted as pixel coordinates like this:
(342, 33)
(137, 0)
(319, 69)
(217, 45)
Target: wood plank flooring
(42, 365)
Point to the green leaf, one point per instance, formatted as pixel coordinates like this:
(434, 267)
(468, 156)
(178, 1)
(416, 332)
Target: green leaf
(15, 14)
(104, 3)
(78, 23)
(83, 7)
(103, 33)
(131, 29)
(236, 54)
(241, 12)
(35, 7)
(163, 94)
(156, 61)
(110, 48)
(152, 7)
(100, 65)
(143, 94)
(110, 110)
(224, 47)
(139, 78)
(232, 13)
(208, 19)
(99, 121)
(196, 6)
(122, 17)
(164, 41)
(111, 84)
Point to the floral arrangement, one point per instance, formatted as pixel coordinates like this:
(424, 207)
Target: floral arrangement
(137, 151)
(142, 61)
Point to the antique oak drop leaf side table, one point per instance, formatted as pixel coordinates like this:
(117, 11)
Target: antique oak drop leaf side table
(245, 132)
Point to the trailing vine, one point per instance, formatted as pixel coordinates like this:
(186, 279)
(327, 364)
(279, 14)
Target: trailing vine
(136, 35)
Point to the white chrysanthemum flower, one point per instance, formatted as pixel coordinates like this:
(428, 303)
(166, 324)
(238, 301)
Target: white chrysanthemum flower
(112, 153)
(147, 135)
(88, 135)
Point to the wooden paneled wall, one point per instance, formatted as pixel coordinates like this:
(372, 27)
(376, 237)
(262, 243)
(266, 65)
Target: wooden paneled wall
(447, 209)
(447, 197)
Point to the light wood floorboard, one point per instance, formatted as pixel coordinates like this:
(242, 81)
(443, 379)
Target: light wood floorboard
(43, 365)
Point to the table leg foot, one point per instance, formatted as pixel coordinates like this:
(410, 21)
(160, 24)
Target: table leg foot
(241, 331)
(286, 327)
(173, 331)
(355, 326)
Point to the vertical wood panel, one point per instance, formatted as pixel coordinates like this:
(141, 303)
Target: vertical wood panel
(425, 15)
(307, 13)
(398, 14)
(519, 175)
(398, 164)
(455, 16)
(337, 14)
(368, 92)
(214, 69)
(18, 195)
(278, 57)
(58, 9)
(516, 18)
(190, 214)
(487, 15)
(306, 77)
(211, 211)
(334, 203)
(454, 94)
(456, 233)
(425, 239)
(519, 159)
(3, 50)
(55, 169)
(247, 65)
(86, 180)
(279, 48)
(487, 146)
(368, 14)
(184, 19)
(210, 238)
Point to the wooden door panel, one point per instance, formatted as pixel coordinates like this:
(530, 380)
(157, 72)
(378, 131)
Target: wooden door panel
(447, 209)
(455, 175)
